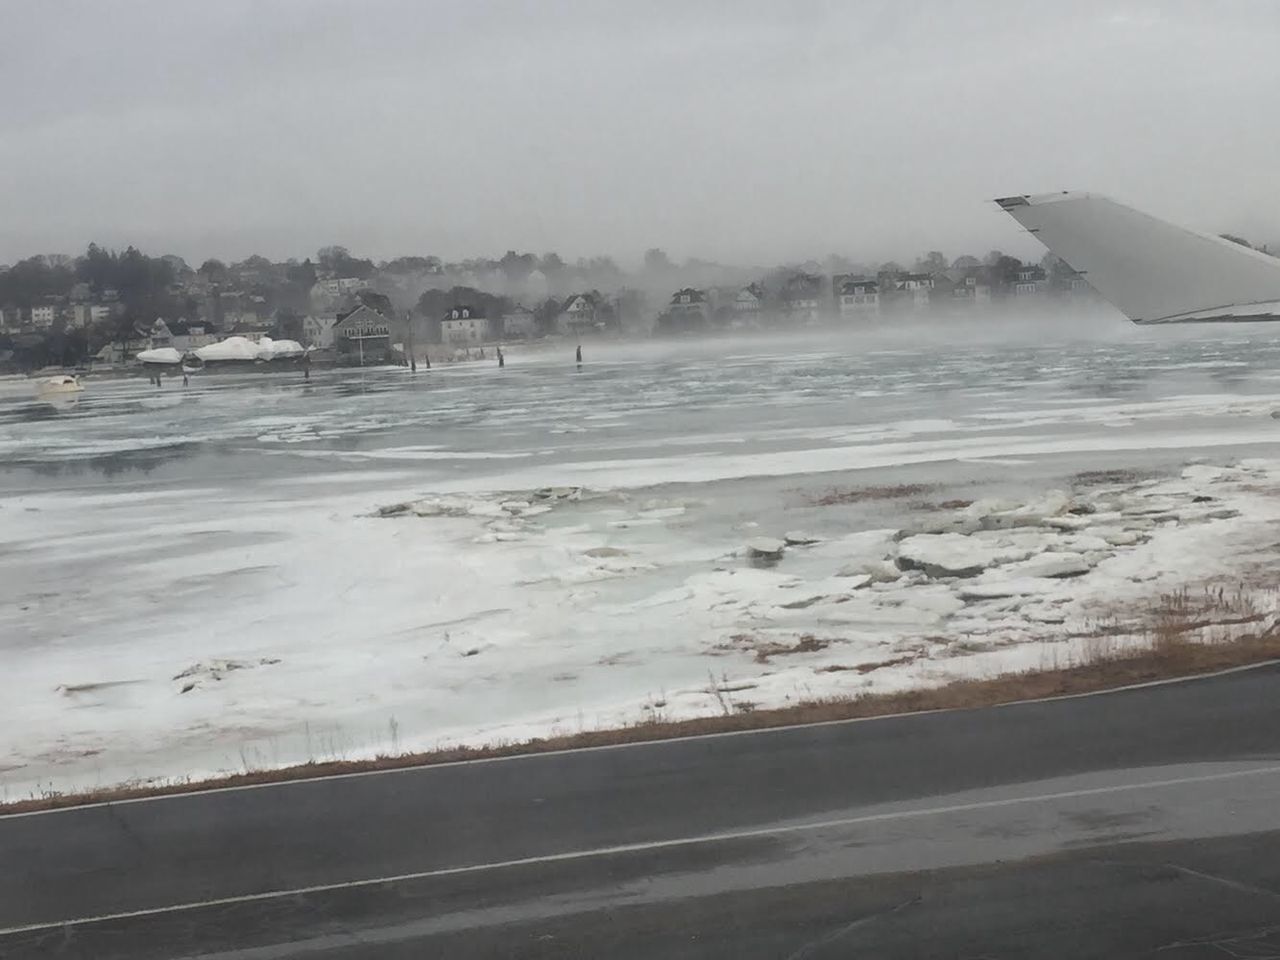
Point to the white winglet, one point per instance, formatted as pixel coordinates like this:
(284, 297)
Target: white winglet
(1153, 271)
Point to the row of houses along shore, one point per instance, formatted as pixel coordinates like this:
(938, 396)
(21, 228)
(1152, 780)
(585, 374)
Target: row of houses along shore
(806, 300)
(367, 329)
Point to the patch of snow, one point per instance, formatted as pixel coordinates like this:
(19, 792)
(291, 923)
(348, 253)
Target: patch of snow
(1051, 564)
(159, 355)
(232, 348)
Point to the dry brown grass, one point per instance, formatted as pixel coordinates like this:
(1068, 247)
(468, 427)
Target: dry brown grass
(898, 491)
(1106, 478)
(807, 643)
(872, 666)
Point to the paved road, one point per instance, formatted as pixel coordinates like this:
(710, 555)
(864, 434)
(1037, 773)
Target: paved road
(1098, 826)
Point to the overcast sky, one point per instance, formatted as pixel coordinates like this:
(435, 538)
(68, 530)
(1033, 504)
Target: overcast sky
(737, 131)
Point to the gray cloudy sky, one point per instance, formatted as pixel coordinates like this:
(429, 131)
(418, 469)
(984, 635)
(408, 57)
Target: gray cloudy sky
(739, 131)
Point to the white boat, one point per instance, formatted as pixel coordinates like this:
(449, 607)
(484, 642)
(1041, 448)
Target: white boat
(53, 386)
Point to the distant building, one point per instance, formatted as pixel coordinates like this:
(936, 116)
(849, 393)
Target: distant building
(802, 298)
(1069, 284)
(161, 335)
(748, 306)
(1029, 281)
(918, 287)
(367, 335)
(42, 317)
(971, 287)
(463, 326)
(687, 310)
(859, 299)
(341, 285)
(520, 322)
(248, 323)
(190, 336)
(317, 330)
(581, 313)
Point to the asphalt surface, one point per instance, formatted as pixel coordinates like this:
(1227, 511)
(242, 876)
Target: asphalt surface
(1116, 825)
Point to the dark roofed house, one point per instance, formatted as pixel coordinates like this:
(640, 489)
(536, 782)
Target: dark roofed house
(582, 312)
(748, 306)
(688, 310)
(1029, 280)
(366, 336)
(971, 287)
(859, 299)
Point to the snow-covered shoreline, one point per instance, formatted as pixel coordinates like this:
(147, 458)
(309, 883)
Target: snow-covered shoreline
(570, 610)
(202, 583)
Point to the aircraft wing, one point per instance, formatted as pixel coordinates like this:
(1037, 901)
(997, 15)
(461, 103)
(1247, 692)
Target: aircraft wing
(1153, 271)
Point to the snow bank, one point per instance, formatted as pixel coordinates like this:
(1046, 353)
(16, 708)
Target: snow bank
(242, 348)
(269, 349)
(232, 348)
(160, 355)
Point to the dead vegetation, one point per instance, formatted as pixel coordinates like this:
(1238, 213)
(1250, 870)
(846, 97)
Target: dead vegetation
(872, 666)
(1107, 478)
(835, 496)
(807, 643)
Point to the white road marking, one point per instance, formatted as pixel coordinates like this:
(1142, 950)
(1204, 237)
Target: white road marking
(625, 848)
(423, 768)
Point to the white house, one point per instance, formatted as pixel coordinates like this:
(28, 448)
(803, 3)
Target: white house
(859, 300)
(464, 326)
(42, 317)
(581, 312)
(919, 286)
(317, 331)
(747, 306)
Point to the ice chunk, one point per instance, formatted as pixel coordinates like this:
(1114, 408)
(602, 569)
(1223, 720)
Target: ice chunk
(876, 571)
(1068, 522)
(1123, 538)
(954, 555)
(997, 588)
(947, 555)
(1052, 564)
(765, 548)
(798, 538)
